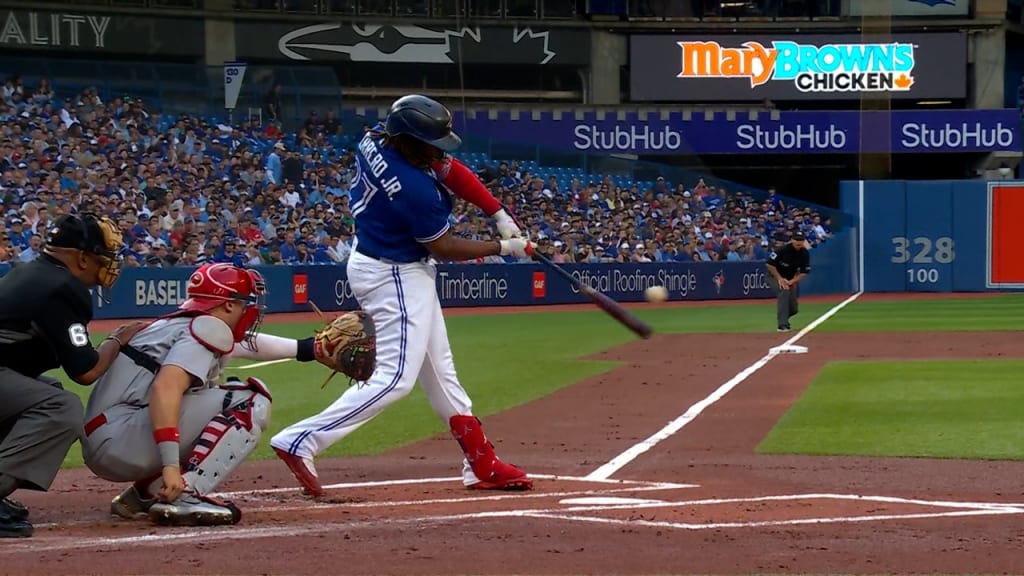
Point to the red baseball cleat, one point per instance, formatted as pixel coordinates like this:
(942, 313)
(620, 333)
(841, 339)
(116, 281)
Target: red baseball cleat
(304, 472)
(505, 477)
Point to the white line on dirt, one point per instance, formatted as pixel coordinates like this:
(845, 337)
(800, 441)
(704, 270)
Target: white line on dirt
(633, 452)
(315, 505)
(407, 481)
(173, 537)
(620, 486)
(770, 523)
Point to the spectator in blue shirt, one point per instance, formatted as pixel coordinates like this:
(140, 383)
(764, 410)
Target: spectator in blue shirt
(19, 237)
(289, 251)
(303, 255)
(273, 165)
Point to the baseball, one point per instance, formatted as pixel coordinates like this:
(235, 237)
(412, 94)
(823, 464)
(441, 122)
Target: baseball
(656, 294)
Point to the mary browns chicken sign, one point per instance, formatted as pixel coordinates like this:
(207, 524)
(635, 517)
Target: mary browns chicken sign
(673, 68)
(810, 68)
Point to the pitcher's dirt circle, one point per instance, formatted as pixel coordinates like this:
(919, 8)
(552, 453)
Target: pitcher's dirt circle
(699, 502)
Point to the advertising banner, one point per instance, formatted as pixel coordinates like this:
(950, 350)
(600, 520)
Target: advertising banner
(530, 284)
(811, 132)
(710, 68)
(411, 44)
(74, 31)
(924, 8)
(152, 292)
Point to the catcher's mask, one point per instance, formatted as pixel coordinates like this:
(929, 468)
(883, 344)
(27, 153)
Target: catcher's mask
(213, 284)
(93, 234)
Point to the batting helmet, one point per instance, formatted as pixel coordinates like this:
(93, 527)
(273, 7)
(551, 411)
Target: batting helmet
(213, 284)
(94, 234)
(424, 119)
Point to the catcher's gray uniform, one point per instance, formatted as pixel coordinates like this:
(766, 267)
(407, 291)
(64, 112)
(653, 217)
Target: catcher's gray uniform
(218, 426)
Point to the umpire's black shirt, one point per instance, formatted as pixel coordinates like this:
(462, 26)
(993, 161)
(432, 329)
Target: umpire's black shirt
(44, 315)
(790, 261)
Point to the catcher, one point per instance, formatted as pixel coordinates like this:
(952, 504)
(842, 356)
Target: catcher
(159, 419)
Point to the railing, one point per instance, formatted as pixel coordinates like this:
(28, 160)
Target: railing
(176, 4)
(489, 9)
(507, 9)
(733, 9)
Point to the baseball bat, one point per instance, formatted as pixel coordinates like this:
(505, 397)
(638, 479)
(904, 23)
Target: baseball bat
(611, 307)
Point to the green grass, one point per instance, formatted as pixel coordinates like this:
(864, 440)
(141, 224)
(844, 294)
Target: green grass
(962, 409)
(503, 360)
(997, 312)
(506, 360)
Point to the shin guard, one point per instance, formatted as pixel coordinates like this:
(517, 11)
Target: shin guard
(478, 450)
(227, 440)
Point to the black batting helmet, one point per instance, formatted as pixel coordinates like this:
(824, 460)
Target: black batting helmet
(424, 119)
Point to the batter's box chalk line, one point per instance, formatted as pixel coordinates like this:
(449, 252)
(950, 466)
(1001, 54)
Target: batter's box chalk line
(562, 512)
(952, 509)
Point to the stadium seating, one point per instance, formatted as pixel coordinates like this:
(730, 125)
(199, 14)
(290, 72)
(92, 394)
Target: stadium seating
(276, 214)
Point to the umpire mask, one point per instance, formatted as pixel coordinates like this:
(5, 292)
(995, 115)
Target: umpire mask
(93, 234)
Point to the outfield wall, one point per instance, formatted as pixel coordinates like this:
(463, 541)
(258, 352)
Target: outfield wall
(938, 236)
(150, 292)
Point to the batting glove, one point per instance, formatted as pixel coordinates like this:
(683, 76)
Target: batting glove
(518, 247)
(506, 225)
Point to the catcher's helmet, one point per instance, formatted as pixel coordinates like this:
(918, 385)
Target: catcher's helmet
(424, 119)
(92, 233)
(213, 284)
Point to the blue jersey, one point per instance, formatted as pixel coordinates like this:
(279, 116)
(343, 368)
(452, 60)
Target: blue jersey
(397, 207)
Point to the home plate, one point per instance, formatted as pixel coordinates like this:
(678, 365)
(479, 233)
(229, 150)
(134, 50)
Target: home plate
(608, 501)
(789, 349)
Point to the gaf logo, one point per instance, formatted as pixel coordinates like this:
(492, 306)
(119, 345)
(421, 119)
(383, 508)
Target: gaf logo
(300, 289)
(539, 285)
(826, 68)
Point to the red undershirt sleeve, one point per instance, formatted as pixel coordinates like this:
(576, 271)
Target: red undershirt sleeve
(464, 183)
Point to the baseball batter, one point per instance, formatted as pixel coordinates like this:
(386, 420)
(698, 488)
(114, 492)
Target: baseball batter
(401, 203)
(159, 419)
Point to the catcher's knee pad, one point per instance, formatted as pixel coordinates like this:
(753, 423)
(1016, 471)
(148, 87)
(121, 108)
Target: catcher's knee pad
(227, 440)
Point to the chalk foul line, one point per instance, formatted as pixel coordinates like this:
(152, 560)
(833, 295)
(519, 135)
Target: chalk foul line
(606, 470)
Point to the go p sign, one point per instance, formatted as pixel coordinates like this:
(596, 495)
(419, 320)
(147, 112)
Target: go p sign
(234, 72)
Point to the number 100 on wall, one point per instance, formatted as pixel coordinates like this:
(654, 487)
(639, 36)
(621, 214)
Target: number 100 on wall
(923, 250)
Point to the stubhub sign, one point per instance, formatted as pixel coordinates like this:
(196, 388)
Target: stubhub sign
(796, 132)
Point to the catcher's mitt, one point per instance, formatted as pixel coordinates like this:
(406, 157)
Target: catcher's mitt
(348, 345)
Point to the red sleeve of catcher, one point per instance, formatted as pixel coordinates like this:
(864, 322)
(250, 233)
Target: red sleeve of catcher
(461, 180)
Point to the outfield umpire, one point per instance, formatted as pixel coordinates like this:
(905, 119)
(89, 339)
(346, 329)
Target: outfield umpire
(45, 309)
(787, 266)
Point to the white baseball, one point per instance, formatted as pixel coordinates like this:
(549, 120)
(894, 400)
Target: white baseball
(656, 294)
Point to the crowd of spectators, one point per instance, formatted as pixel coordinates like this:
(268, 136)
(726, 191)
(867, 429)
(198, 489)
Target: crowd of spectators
(187, 191)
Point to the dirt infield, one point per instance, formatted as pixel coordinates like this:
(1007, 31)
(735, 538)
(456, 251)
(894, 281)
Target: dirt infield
(698, 501)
